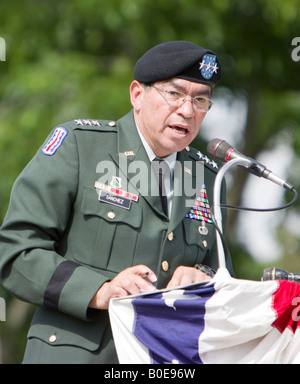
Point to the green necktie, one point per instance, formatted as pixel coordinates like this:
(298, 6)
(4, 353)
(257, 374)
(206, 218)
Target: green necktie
(162, 170)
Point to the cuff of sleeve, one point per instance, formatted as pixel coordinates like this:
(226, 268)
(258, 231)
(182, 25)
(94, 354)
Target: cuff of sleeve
(79, 291)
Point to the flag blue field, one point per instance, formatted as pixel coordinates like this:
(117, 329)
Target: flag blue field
(222, 321)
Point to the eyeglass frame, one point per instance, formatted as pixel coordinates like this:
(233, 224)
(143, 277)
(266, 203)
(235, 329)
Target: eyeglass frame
(184, 98)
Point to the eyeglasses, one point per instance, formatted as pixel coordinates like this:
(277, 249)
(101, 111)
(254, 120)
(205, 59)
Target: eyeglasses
(177, 99)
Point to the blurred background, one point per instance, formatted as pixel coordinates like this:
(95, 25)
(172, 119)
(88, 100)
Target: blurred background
(74, 59)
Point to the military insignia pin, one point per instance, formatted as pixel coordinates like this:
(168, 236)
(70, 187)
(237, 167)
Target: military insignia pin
(208, 66)
(116, 182)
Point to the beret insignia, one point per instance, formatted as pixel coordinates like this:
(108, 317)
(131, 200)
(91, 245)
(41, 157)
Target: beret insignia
(209, 66)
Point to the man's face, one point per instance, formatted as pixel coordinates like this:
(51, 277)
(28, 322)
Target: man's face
(166, 128)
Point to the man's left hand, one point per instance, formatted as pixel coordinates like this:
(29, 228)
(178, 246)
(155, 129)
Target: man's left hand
(186, 276)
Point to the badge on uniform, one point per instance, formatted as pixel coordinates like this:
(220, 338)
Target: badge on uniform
(55, 142)
(112, 194)
(112, 199)
(201, 209)
(116, 182)
(208, 66)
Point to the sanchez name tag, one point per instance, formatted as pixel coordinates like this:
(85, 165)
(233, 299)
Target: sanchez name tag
(110, 198)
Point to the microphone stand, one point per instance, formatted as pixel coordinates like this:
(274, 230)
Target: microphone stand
(217, 203)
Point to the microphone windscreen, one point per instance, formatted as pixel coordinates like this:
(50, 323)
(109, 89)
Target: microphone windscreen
(219, 149)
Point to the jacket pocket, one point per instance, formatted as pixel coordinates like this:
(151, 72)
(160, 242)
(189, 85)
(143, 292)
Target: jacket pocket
(194, 236)
(116, 233)
(56, 329)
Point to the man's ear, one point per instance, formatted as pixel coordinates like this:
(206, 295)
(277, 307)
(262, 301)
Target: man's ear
(136, 94)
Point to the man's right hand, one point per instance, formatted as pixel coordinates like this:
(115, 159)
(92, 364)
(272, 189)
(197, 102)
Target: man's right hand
(131, 281)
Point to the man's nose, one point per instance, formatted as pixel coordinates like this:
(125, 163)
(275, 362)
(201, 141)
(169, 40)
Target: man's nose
(187, 108)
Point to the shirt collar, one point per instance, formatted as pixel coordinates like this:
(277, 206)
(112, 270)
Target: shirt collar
(171, 159)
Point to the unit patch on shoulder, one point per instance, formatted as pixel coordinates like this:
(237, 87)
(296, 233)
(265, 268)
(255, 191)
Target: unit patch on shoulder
(55, 142)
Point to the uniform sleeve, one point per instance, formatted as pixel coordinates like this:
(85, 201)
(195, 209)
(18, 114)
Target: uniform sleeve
(38, 215)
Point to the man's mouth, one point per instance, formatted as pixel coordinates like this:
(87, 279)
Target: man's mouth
(180, 130)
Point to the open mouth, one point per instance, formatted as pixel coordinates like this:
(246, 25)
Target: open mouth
(179, 130)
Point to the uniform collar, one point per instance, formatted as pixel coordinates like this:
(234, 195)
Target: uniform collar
(171, 159)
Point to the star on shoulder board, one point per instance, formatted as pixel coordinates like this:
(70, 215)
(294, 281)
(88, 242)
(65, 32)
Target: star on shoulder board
(207, 160)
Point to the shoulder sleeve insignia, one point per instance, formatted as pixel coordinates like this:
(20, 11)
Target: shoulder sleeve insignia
(55, 141)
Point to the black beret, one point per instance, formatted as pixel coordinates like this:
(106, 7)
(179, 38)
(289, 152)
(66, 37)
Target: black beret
(180, 59)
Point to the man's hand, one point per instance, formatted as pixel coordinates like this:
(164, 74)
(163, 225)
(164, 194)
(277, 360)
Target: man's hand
(186, 276)
(131, 281)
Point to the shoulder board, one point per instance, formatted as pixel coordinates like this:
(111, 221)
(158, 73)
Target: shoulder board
(207, 161)
(94, 124)
(60, 133)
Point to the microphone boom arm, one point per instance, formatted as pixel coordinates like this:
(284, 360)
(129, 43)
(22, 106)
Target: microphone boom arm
(217, 203)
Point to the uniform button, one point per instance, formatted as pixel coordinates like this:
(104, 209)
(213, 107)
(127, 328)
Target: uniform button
(111, 215)
(171, 236)
(112, 123)
(52, 338)
(165, 266)
(204, 243)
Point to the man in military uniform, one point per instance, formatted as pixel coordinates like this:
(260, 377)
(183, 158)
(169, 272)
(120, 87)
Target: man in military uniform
(72, 240)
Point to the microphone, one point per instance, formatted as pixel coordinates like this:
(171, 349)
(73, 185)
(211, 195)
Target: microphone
(225, 152)
(280, 274)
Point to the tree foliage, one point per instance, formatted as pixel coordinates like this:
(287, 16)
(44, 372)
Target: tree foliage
(75, 59)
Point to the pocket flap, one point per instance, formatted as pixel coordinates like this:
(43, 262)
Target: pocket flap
(193, 234)
(91, 206)
(57, 329)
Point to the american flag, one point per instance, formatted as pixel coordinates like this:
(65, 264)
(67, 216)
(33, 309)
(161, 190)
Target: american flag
(222, 321)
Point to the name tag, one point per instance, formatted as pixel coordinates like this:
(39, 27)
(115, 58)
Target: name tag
(112, 199)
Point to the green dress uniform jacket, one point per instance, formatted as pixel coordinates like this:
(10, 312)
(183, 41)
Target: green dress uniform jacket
(59, 243)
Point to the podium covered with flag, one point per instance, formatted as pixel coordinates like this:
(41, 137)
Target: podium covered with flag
(221, 321)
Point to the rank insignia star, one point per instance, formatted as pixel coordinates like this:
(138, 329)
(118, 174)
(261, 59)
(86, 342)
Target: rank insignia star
(91, 123)
(214, 164)
(200, 155)
(215, 68)
(207, 160)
